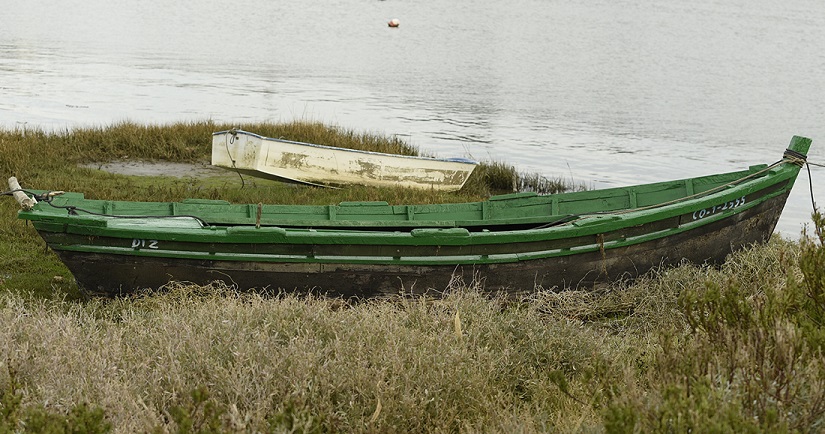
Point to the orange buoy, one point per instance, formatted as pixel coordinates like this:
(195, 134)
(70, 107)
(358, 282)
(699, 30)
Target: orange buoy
(394, 22)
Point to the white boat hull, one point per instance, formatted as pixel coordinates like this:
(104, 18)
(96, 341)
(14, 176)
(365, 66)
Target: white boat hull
(324, 165)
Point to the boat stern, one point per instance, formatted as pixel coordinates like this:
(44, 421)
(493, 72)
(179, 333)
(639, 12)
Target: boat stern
(235, 150)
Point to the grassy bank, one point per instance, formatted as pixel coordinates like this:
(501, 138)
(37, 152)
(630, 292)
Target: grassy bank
(738, 348)
(728, 350)
(59, 161)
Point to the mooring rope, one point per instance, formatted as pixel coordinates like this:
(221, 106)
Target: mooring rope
(73, 210)
(788, 159)
(11, 192)
(234, 133)
(808, 165)
(791, 157)
(811, 184)
(38, 197)
(817, 229)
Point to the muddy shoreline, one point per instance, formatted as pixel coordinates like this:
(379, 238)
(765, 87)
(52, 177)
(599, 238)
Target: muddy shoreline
(159, 168)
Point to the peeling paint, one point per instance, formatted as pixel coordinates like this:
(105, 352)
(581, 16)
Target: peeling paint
(368, 169)
(291, 159)
(315, 164)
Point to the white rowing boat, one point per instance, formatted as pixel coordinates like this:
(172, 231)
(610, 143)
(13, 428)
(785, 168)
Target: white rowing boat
(308, 163)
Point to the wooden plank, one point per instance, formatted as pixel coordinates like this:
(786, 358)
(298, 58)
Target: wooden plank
(689, 190)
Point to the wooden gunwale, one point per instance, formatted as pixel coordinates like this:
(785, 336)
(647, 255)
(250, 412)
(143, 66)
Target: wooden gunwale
(385, 217)
(95, 225)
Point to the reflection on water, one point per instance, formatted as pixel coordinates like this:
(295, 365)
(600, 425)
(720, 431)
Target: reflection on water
(614, 92)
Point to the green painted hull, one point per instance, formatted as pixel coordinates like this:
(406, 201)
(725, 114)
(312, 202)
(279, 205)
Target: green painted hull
(512, 244)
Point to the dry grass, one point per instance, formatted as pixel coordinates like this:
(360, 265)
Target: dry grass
(695, 349)
(690, 348)
(310, 363)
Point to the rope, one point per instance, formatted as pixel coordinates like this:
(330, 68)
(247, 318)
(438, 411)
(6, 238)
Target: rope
(817, 229)
(234, 133)
(787, 159)
(790, 157)
(73, 210)
(11, 192)
(811, 185)
(45, 197)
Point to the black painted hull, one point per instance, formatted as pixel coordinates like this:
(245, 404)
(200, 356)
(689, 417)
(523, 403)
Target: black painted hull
(120, 274)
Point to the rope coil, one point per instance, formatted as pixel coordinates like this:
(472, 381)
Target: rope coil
(794, 157)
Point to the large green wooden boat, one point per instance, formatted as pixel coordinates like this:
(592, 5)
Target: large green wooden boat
(512, 243)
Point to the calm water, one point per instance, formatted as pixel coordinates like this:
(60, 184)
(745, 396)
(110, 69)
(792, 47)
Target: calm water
(607, 92)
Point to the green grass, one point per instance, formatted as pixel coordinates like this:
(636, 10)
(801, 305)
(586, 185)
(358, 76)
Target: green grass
(59, 160)
(688, 349)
